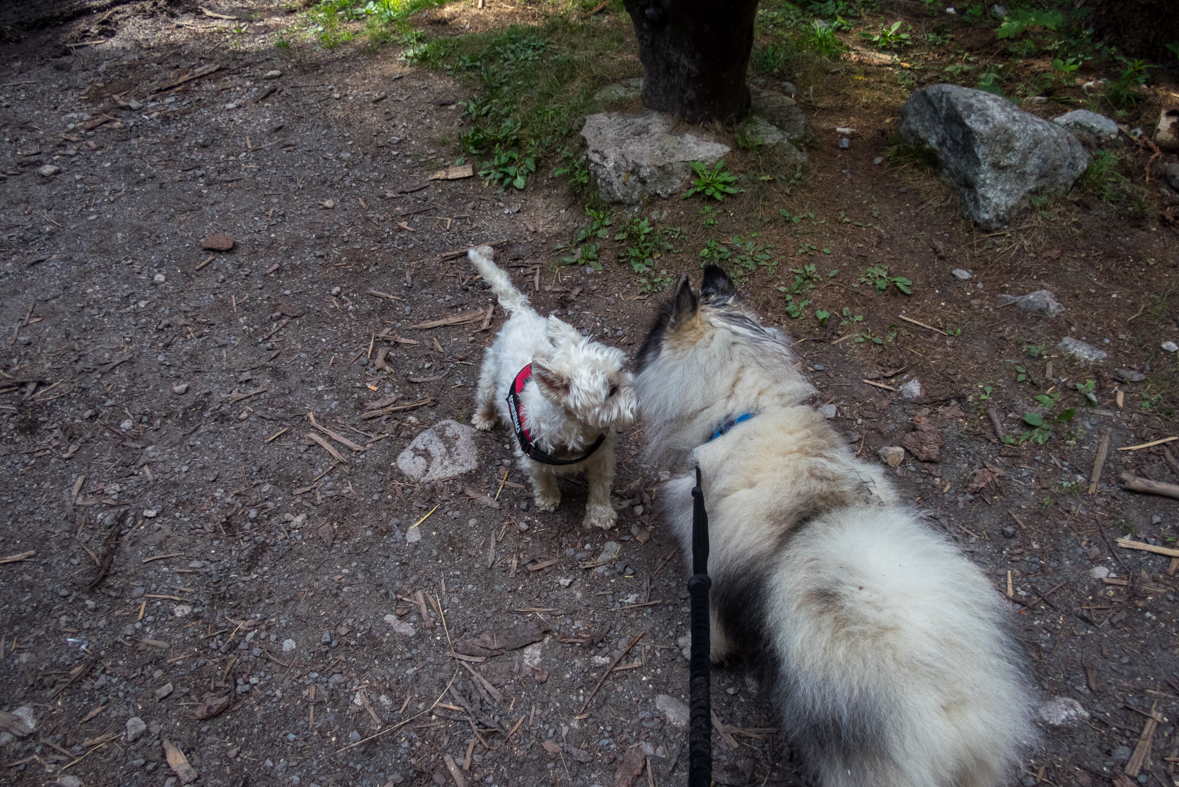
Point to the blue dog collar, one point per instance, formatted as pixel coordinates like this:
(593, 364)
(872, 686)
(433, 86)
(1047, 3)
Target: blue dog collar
(729, 424)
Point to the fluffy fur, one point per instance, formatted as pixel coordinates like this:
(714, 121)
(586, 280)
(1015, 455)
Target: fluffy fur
(882, 646)
(578, 391)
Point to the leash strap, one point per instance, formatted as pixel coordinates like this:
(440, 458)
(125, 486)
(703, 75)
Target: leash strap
(516, 410)
(700, 670)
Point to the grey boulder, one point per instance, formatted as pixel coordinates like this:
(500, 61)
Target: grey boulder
(445, 450)
(996, 156)
(635, 156)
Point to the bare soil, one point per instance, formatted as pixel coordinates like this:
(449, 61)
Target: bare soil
(177, 550)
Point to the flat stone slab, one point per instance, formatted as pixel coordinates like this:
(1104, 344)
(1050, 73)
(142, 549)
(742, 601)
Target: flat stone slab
(445, 450)
(635, 156)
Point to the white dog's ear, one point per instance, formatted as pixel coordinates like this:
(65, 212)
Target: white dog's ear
(560, 332)
(553, 385)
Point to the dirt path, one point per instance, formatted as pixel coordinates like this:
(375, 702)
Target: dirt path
(284, 616)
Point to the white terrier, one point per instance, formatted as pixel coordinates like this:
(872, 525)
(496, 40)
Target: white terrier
(561, 393)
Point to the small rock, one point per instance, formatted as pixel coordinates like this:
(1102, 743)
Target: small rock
(163, 691)
(1120, 754)
(961, 275)
(1129, 376)
(288, 645)
(69, 781)
(912, 389)
(149, 513)
(1099, 572)
(159, 278)
(829, 411)
(182, 610)
(399, 626)
(49, 170)
(1170, 347)
(676, 712)
(180, 388)
(1082, 351)
(135, 729)
(444, 451)
(125, 425)
(413, 535)
(272, 74)
(1038, 301)
(25, 717)
(844, 143)
(1008, 531)
(218, 243)
(1089, 123)
(891, 455)
(878, 160)
(610, 551)
(1062, 712)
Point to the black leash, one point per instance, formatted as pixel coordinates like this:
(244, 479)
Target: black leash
(700, 669)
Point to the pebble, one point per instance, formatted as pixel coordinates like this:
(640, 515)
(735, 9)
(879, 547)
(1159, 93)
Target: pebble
(912, 389)
(135, 729)
(878, 160)
(961, 275)
(163, 691)
(126, 424)
(1170, 347)
(180, 388)
(217, 243)
(829, 411)
(1008, 531)
(400, 626)
(413, 535)
(891, 455)
(1064, 711)
(675, 710)
(844, 143)
(1099, 572)
(288, 645)
(272, 74)
(49, 170)
(69, 781)
(159, 278)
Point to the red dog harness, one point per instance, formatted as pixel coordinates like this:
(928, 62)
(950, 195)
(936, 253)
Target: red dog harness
(516, 409)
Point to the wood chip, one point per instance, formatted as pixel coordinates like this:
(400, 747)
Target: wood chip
(179, 763)
(455, 773)
(1136, 484)
(454, 173)
(454, 319)
(339, 438)
(327, 447)
(1098, 464)
(1145, 740)
(1151, 444)
(200, 72)
(879, 385)
(395, 408)
(1126, 543)
(217, 243)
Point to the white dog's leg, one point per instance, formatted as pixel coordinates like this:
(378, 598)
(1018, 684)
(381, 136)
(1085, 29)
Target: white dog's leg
(720, 646)
(485, 417)
(599, 474)
(546, 495)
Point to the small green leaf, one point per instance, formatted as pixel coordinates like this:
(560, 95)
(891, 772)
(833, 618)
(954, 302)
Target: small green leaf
(1033, 419)
(1066, 415)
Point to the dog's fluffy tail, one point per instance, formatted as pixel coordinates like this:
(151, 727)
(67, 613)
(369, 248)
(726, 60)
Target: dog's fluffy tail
(893, 668)
(511, 299)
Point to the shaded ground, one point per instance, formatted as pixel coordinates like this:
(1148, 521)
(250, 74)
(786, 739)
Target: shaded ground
(192, 545)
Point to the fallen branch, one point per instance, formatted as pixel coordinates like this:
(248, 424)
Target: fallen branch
(1098, 464)
(1136, 484)
(1126, 543)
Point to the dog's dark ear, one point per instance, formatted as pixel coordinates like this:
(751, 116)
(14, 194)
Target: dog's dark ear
(553, 385)
(683, 304)
(717, 285)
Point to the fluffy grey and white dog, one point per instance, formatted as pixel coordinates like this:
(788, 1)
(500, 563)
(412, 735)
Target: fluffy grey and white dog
(883, 647)
(560, 392)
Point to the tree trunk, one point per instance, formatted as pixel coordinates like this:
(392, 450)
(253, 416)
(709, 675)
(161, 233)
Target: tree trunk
(695, 54)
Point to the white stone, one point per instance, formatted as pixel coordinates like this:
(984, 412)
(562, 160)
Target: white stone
(49, 170)
(135, 729)
(635, 156)
(912, 389)
(891, 455)
(677, 712)
(272, 74)
(399, 626)
(961, 275)
(1087, 122)
(1062, 712)
(1170, 347)
(288, 645)
(1082, 351)
(828, 410)
(1099, 572)
(182, 610)
(446, 450)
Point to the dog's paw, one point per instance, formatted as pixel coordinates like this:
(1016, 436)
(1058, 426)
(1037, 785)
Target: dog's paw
(483, 422)
(603, 517)
(546, 502)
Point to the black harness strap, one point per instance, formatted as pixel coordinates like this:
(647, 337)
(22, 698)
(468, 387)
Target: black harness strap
(700, 669)
(516, 410)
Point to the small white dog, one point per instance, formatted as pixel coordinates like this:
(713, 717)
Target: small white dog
(561, 393)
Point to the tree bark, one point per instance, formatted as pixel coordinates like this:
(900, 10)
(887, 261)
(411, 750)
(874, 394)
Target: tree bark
(695, 55)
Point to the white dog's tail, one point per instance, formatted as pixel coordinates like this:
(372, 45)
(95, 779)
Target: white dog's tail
(511, 299)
